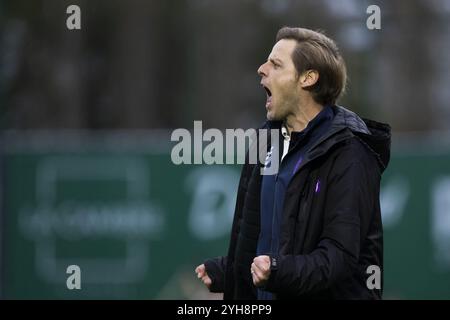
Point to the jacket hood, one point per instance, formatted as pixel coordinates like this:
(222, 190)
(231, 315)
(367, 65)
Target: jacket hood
(375, 135)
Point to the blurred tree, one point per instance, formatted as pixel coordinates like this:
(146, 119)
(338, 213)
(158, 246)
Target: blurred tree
(164, 64)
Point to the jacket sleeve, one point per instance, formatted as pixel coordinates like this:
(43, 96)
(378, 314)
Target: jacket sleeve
(348, 207)
(215, 268)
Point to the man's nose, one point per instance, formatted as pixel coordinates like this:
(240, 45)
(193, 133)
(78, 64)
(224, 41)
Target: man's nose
(262, 70)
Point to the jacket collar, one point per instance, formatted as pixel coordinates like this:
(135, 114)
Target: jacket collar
(346, 124)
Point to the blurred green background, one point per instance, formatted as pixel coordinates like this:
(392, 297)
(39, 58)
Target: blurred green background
(86, 117)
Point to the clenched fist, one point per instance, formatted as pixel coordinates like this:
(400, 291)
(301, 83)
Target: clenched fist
(260, 270)
(203, 275)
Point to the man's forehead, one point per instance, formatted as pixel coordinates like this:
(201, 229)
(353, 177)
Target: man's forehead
(283, 49)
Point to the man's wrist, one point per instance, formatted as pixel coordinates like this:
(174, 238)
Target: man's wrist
(273, 263)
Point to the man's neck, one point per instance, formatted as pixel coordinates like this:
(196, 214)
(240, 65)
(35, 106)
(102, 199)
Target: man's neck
(304, 114)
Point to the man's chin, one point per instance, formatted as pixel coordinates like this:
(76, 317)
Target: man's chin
(271, 116)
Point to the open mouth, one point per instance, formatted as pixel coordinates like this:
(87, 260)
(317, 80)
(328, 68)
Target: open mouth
(269, 96)
(269, 93)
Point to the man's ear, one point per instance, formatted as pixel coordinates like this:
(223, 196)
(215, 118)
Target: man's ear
(309, 78)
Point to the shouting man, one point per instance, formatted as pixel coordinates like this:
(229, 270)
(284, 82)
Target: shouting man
(313, 230)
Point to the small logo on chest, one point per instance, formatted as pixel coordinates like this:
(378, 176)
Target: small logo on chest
(317, 187)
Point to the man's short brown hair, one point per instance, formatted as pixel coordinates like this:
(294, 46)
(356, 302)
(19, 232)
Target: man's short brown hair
(315, 51)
